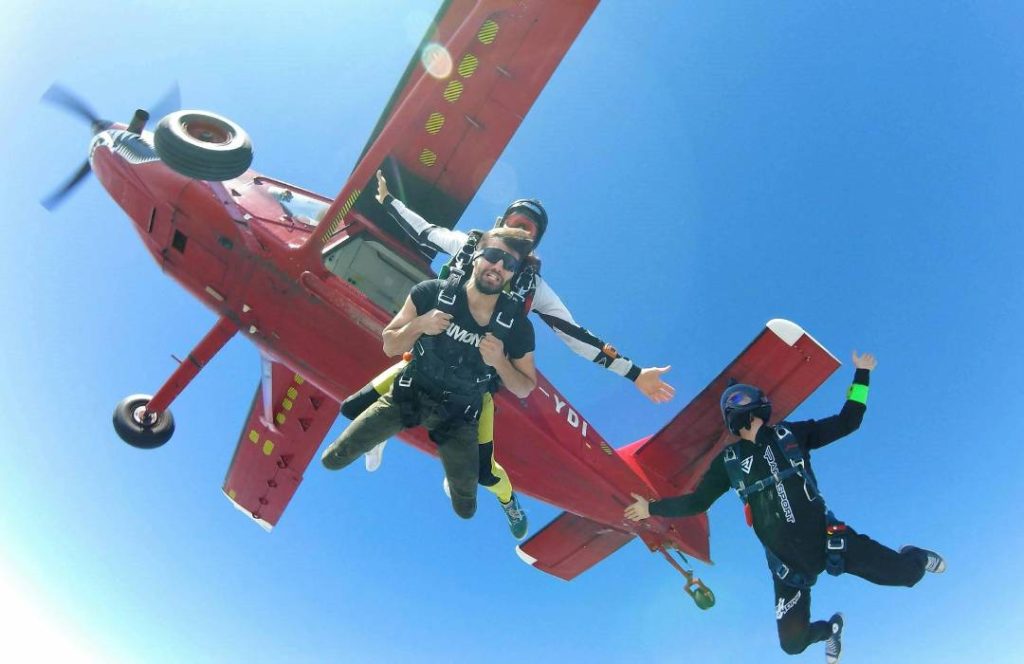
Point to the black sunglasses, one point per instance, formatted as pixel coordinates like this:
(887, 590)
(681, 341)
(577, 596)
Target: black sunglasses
(495, 255)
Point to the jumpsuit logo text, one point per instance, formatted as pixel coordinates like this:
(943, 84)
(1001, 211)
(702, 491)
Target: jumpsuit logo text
(787, 509)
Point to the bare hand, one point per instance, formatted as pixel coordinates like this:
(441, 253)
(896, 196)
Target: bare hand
(434, 322)
(382, 187)
(492, 350)
(639, 510)
(865, 361)
(654, 388)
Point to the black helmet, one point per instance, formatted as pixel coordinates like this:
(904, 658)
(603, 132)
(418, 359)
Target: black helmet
(532, 208)
(740, 402)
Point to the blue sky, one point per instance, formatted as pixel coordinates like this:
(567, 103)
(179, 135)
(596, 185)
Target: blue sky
(854, 167)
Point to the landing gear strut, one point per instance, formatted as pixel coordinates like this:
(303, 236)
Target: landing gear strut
(695, 588)
(145, 422)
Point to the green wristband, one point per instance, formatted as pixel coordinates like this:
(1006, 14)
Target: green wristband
(858, 393)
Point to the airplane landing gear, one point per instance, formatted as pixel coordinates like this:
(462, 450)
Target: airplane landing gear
(146, 422)
(140, 427)
(203, 145)
(695, 588)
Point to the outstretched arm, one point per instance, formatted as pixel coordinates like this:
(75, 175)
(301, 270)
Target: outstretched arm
(714, 483)
(438, 238)
(818, 433)
(585, 344)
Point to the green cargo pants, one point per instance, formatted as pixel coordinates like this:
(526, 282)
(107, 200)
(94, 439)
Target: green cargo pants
(456, 445)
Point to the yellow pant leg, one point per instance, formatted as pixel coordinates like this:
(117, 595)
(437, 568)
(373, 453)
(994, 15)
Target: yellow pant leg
(382, 383)
(485, 434)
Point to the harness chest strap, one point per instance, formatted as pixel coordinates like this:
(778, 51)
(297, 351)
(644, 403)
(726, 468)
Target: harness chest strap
(835, 530)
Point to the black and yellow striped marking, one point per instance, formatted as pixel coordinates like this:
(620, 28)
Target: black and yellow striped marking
(453, 91)
(468, 65)
(335, 224)
(428, 157)
(434, 123)
(607, 449)
(488, 31)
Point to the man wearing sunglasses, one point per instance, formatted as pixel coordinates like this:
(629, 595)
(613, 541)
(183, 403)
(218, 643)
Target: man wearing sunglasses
(770, 468)
(529, 215)
(458, 352)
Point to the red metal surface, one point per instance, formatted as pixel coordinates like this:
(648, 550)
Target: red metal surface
(570, 545)
(190, 366)
(273, 452)
(532, 37)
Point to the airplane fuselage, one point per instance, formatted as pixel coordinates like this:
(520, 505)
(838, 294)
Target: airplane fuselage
(240, 247)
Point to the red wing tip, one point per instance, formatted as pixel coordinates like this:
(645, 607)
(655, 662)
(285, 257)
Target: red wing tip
(789, 333)
(525, 557)
(265, 525)
(786, 330)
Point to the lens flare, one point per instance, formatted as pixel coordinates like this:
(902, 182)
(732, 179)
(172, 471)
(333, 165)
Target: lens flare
(437, 61)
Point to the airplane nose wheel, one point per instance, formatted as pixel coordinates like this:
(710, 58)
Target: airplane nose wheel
(140, 427)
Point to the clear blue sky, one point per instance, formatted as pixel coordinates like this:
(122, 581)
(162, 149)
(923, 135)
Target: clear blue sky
(855, 167)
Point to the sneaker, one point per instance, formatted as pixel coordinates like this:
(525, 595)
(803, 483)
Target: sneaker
(516, 517)
(834, 643)
(935, 563)
(374, 457)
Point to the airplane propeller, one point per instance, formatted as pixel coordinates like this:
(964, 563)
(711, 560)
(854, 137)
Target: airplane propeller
(61, 97)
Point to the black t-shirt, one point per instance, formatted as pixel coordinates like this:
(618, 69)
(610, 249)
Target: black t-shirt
(464, 328)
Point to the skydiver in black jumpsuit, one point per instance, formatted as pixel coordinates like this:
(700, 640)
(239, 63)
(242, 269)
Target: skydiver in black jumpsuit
(789, 516)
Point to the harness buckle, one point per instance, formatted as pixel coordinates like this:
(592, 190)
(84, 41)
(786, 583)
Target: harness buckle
(835, 543)
(502, 323)
(782, 571)
(445, 299)
(404, 381)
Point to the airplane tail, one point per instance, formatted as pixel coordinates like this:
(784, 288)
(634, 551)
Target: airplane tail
(570, 545)
(785, 361)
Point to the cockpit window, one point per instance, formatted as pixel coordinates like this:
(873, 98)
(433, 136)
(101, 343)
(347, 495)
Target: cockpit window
(298, 205)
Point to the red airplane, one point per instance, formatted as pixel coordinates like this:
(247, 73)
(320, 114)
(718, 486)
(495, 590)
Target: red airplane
(312, 282)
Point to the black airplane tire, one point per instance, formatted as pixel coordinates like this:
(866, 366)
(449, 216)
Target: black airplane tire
(203, 145)
(143, 435)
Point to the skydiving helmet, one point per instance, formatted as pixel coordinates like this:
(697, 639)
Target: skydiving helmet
(742, 402)
(532, 208)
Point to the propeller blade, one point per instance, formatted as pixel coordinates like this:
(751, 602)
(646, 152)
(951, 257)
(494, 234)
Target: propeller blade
(64, 98)
(53, 200)
(170, 102)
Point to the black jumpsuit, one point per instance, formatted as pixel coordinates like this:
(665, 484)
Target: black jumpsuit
(791, 524)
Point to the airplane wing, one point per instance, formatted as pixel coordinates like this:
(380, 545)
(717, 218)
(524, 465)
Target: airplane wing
(287, 421)
(477, 72)
(570, 545)
(784, 361)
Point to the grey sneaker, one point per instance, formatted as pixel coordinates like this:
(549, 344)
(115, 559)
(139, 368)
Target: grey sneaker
(935, 563)
(516, 517)
(834, 643)
(374, 457)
